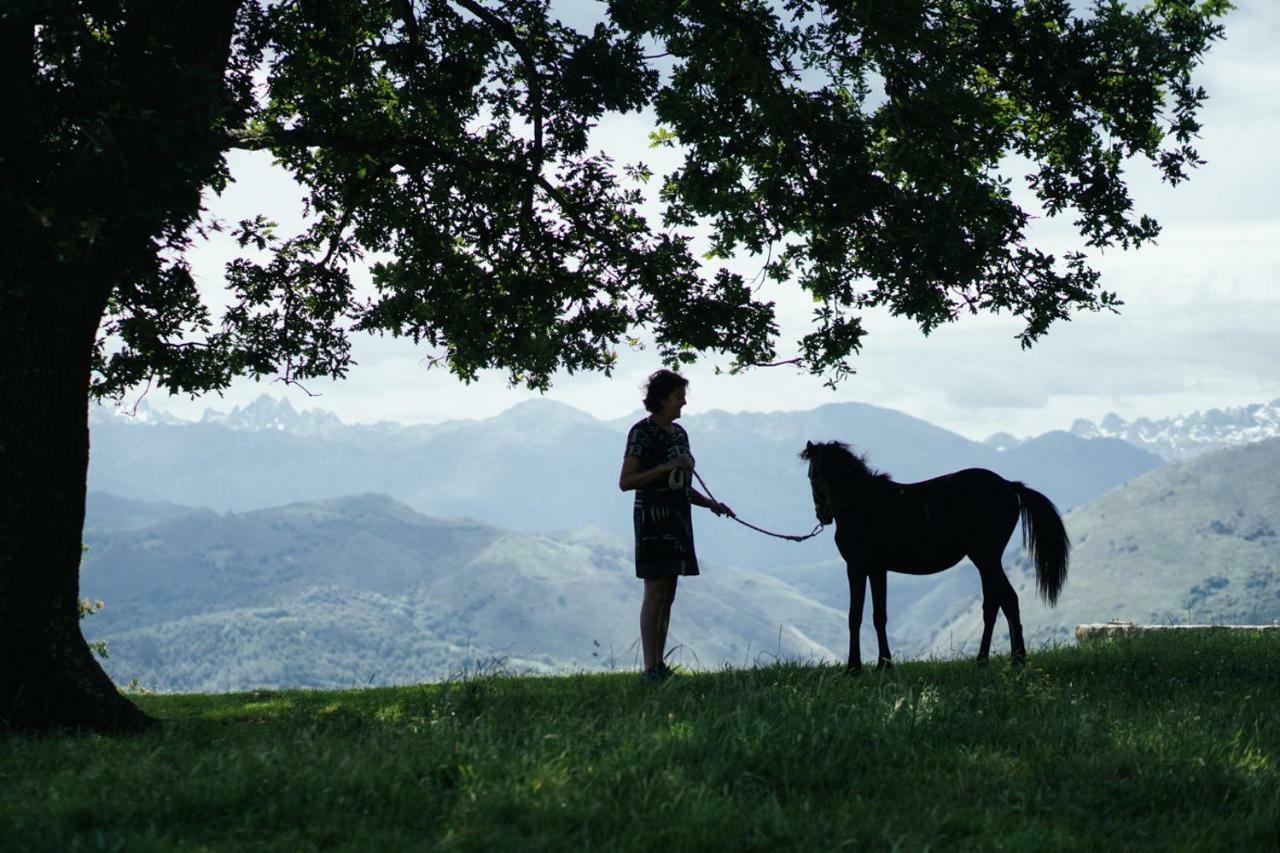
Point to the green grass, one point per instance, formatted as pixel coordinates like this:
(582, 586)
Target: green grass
(1143, 743)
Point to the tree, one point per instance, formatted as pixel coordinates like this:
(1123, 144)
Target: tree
(855, 145)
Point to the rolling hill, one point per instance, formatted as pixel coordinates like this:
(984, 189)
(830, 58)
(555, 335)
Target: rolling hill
(365, 590)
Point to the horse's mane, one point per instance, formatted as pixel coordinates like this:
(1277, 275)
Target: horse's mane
(835, 459)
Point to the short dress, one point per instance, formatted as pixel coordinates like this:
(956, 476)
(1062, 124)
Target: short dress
(663, 515)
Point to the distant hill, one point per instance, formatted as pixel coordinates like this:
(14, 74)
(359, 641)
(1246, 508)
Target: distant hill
(1197, 541)
(365, 590)
(105, 511)
(542, 466)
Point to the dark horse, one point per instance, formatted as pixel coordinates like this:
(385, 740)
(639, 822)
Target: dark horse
(923, 528)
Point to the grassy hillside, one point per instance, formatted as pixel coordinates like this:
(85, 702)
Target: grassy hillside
(1153, 743)
(1196, 541)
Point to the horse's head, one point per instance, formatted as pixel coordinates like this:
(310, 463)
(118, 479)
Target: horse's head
(813, 453)
(838, 477)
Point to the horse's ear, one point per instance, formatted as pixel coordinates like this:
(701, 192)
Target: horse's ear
(808, 445)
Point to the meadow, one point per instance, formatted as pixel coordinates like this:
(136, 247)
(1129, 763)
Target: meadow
(1155, 742)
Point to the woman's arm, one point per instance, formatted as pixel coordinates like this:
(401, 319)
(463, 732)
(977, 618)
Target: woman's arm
(697, 498)
(633, 478)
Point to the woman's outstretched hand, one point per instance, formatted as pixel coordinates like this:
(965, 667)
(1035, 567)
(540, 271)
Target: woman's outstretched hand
(722, 509)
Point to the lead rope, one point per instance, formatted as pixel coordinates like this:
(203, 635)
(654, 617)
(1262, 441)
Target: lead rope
(816, 530)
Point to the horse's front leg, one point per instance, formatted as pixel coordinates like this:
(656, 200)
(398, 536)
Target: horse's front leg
(857, 597)
(880, 616)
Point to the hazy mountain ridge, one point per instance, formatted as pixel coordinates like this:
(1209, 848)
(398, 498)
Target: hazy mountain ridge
(1194, 541)
(104, 511)
(1172, 438)
(543, 466)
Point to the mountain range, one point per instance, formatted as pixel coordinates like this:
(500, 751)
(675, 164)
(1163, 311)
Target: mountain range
(542, 467)
(232, 553)
(1171, 438)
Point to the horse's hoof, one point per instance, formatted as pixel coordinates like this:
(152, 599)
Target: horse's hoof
(1020, 659)
(982, 660)
(853, 669)
(884, 663)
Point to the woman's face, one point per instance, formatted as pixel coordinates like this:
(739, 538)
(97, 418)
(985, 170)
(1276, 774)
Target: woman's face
(675, 402)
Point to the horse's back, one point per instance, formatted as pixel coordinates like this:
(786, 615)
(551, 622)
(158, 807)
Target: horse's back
(978, 476)
(972, 501)
(988, 503)
(966, 481)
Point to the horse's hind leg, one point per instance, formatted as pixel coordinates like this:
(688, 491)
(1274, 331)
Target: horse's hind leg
(998, 594)
(1009, 605)
(990, 609)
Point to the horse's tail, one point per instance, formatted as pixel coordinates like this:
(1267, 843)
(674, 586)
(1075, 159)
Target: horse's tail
(1045, 538)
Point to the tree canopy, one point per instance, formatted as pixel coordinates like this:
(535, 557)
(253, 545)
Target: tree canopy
(857, 145)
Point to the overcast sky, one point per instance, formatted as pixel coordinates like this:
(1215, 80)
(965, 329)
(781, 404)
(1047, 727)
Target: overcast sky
(1198, 329)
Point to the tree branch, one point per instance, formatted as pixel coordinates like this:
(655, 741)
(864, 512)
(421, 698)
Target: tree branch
(388, 148)
(798, 361)
(351, 199)
(508, 34)
(17, 47)
(202, 32)
(404, 8)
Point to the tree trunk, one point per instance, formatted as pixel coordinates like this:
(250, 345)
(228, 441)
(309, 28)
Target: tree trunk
(48, 676)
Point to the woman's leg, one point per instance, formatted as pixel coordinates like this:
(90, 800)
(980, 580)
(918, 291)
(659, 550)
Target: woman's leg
(655, 593)
(664, 617)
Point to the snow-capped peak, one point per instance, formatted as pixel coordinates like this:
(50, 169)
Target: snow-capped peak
(1190, 435)
(266, 413)
(270, 414)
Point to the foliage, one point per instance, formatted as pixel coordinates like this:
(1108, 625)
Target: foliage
(1145, 743)
(856, 146)
(88, 607)
(882, 178)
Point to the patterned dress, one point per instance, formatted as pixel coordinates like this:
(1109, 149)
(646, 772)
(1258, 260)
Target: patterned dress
(663, 517)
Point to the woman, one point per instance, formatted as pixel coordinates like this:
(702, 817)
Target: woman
(658, 466)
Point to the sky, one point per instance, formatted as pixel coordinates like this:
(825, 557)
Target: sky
(1198, 329)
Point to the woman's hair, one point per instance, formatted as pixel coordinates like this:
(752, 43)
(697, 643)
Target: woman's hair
(660, 385)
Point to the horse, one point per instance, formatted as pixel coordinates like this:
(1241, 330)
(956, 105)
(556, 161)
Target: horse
(927, 527)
